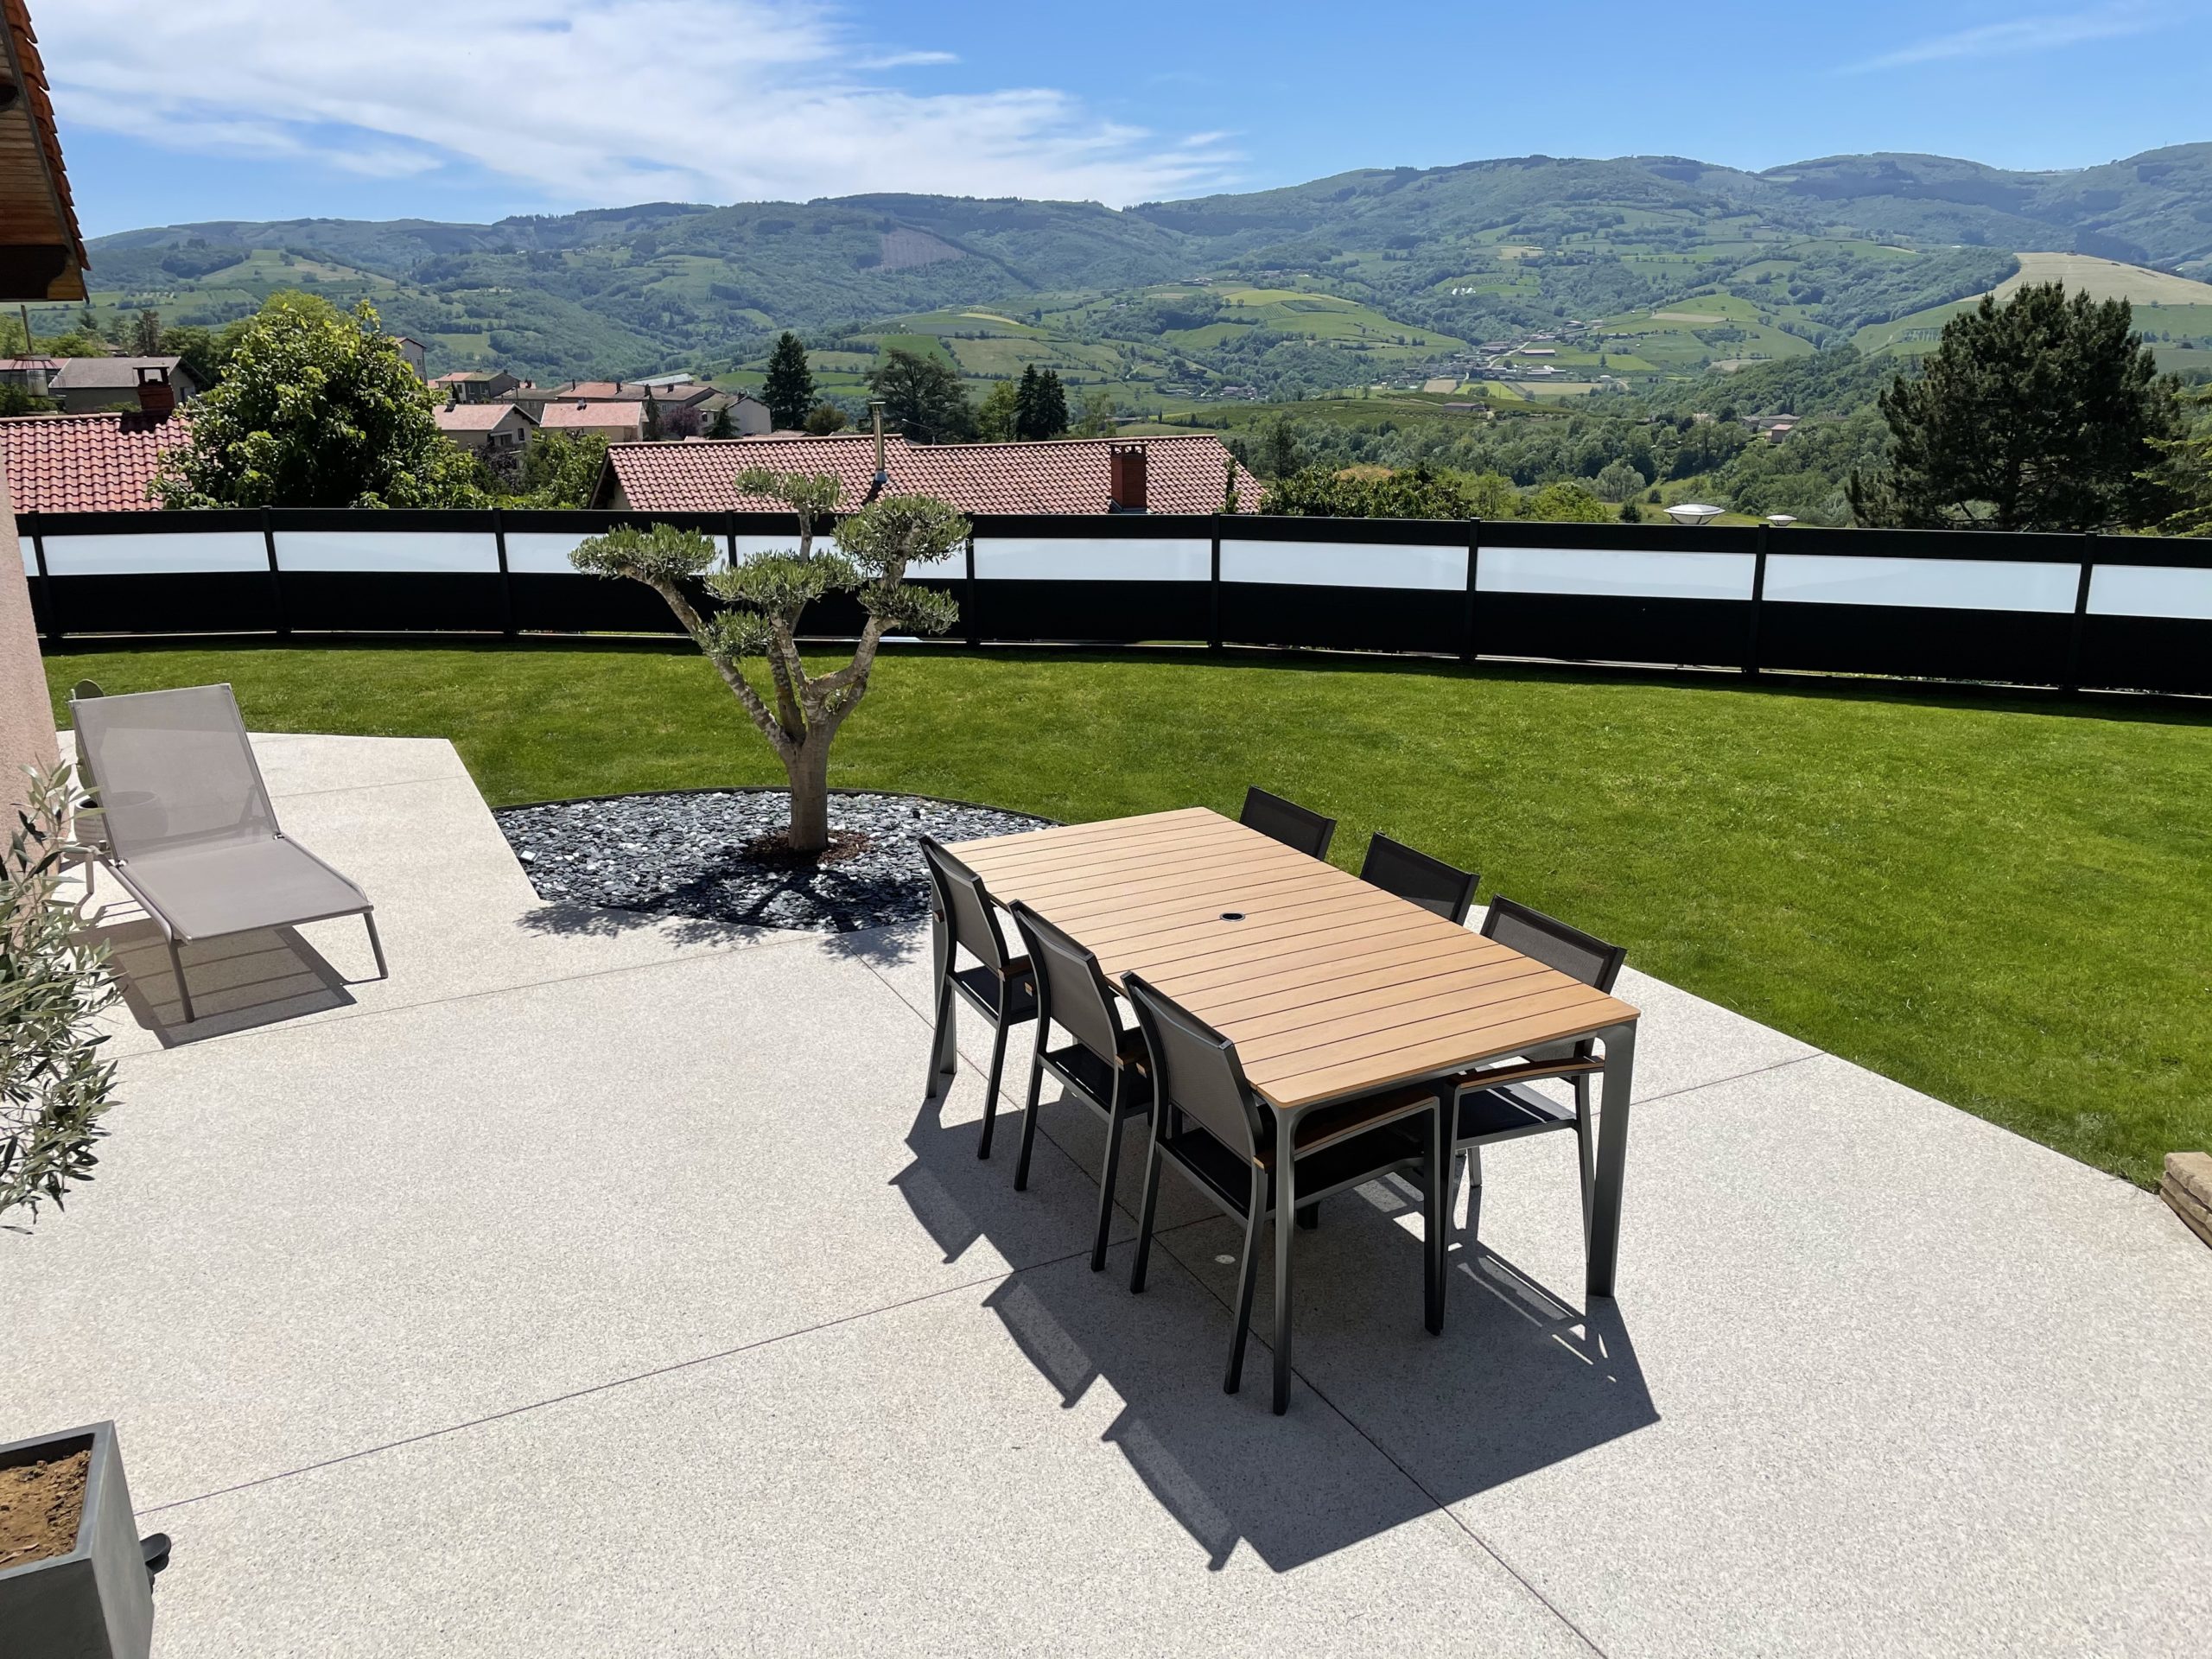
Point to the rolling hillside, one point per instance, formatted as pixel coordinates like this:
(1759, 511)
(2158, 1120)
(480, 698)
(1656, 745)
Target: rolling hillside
(1659, 266)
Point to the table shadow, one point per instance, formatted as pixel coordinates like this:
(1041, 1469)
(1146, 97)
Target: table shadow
(1386, 1422)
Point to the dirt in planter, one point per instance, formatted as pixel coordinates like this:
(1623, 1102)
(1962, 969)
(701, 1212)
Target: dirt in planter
(774, 850)
(41, 1504)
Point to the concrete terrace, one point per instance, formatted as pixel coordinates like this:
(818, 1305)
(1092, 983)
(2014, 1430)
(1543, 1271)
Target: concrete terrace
(597, 1287)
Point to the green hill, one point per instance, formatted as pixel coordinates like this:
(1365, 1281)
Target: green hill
(1666, 265)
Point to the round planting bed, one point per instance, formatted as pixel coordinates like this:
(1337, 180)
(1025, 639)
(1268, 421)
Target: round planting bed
(716, 856)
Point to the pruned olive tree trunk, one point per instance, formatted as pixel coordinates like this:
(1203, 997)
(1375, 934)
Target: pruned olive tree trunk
(763, 598)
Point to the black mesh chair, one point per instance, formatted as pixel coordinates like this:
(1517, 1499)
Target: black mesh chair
(1104, 1066)
(1000, 988)
(1495, 1104)
(1209, 1122)
(1417, 878)
(1288, 822)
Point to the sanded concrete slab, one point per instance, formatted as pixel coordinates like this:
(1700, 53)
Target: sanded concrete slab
(309, 1240)
(404, 1295)
(1881, 1378)
(914, 1483)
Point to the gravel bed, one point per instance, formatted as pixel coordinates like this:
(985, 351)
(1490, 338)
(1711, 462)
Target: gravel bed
(686, 855)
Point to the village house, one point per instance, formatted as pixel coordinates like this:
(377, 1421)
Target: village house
(84, 385)
(29, 374)
(487, 430)
(477, 385)
(622, 421)
(1177, 474)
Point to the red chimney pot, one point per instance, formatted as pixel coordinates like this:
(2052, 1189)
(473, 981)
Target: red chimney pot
(1125, 476)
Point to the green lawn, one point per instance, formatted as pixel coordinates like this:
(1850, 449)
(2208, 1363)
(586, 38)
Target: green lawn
(2000, 902)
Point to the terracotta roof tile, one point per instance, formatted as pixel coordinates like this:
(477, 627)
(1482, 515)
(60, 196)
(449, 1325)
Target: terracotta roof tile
(86, 463)
(1066, 475)
(592, 418)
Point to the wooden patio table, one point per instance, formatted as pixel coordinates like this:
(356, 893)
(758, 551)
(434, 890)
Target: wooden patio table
(1329, 987)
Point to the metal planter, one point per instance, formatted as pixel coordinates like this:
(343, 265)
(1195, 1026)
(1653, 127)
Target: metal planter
(97, 1601)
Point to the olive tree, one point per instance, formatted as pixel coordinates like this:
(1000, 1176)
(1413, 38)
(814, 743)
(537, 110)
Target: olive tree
(763, 597)
(55, 1083)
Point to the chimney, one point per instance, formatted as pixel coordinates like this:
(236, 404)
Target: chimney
(882, 474)
(1125, 475)
(157, 397)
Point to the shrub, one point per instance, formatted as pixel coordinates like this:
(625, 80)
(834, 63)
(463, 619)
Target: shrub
(53, 1084)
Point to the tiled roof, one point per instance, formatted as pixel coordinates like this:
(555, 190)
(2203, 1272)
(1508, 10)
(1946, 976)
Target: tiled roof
(480, 417)
(84, 463)
(1066, 475)
(600, 388)
(591, 417)
(104, 373)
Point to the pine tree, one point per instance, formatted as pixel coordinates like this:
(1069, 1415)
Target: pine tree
(2045, 413)
(1025, 413)
(1052, 405)
(789, 392)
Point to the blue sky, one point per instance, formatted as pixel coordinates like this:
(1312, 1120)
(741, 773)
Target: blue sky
(474, 109)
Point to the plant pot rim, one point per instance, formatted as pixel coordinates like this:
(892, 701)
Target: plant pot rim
(98, 1438)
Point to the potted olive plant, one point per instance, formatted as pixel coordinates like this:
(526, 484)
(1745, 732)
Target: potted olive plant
(75, 1576)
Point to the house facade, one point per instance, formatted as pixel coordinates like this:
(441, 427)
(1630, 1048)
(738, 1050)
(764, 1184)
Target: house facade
(487, 430)
(84, 385)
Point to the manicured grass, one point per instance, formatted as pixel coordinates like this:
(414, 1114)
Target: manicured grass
(1999, 901)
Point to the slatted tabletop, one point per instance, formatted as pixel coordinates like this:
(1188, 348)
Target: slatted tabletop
(1327, 985)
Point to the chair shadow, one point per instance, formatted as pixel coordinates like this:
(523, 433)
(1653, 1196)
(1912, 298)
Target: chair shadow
(1387, 1423)
(240, 981)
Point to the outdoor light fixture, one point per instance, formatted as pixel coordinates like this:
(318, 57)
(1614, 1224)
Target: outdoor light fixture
(1694, 512)
(1781, 520)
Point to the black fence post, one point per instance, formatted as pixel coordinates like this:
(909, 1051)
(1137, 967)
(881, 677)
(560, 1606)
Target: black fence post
(730, 540)
(53, 629)
(275, 575)
(1474, 570)
(506, 577)
(2071, 681)
(967, 597)
(1213, 592)
(1758, 603)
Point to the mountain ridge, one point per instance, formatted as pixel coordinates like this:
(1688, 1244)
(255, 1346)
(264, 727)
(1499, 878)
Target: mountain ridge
(1485, 245)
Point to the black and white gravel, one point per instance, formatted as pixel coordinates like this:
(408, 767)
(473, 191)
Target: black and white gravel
(684, 854)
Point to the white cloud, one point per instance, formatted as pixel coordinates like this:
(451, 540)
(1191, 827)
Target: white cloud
(2018, 35)
(590, 102)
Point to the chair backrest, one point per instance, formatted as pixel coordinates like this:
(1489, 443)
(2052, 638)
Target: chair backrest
(1414, 876)
(176, 770)
(1574, 953)
(1288, 822)
(1071, 989)
(967, 906)
(1195, 1070)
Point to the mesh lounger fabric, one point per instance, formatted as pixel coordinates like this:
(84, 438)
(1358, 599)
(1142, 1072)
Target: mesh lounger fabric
(189, 819)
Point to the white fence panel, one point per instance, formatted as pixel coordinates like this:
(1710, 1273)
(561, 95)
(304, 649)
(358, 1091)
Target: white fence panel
(1922, 584)
(2150, 590)
(190, 553)
(1051, 559)
(1607, 573)
(389, 552)
(1346, 564)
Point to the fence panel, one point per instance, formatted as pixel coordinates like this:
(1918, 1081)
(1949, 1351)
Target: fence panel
(1345, 584)
(2051, 610)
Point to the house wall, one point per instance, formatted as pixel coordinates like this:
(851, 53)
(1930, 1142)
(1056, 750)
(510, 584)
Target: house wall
(26, 711)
